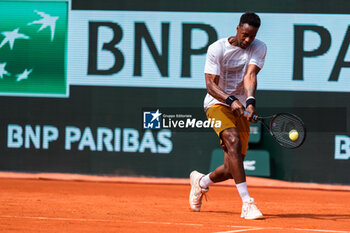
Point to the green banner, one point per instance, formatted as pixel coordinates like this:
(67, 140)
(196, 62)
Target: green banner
(33, 40)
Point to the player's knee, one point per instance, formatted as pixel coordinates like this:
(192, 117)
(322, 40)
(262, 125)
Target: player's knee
(233, 145)
(232, 142)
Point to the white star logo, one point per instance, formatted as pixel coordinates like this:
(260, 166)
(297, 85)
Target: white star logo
(2, 70)
(11, 37)
(46, 21)
(24, 75)
(156, 115)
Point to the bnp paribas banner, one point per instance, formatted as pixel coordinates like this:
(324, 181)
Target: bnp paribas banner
(33, 41)
(45, 47)
(305, 52)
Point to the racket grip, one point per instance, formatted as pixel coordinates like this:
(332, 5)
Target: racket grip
(255, 117)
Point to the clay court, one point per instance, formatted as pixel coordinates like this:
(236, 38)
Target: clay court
(61, 203)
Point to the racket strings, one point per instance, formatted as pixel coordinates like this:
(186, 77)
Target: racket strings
(282, 124)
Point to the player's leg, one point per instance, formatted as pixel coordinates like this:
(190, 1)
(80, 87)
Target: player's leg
(233, 161)
(200, 182)
(231, 138)
(225, 115)
(218, 175)
(237, 146)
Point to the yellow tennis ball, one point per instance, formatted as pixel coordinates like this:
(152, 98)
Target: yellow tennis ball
(293, 135)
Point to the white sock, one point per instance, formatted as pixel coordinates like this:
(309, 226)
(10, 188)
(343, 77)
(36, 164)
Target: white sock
(243, 191)
(205, 181)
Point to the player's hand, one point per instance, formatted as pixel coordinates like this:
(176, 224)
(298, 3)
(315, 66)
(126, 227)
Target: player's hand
(250, 112)
(237, 108)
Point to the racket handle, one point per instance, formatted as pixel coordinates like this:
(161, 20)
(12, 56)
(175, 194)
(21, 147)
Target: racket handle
(255, 117)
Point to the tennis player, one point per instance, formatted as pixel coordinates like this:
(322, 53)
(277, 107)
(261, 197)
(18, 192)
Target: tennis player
(231, 69)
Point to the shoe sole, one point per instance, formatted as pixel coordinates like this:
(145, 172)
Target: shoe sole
(255, 218)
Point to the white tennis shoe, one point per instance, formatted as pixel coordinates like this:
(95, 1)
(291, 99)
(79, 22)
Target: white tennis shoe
(197, 192)
(250, 210)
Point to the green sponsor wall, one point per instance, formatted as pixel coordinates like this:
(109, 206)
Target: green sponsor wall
(107, 107)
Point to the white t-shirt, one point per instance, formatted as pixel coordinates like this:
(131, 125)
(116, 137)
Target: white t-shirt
(231, 63)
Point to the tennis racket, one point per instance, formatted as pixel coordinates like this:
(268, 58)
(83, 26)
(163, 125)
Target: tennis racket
(287, 129)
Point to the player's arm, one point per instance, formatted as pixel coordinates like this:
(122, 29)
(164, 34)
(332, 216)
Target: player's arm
(214, 90)
(250, 84)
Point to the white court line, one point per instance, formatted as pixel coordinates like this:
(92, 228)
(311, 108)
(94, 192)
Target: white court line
(174, 223)
(241, 230)
(281, 228)
(235, 226)
(247, 228)
(99, 220)
(298, 229)
(60, 219)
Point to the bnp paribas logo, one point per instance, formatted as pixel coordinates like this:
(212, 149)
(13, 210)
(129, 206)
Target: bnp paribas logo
(33, 41)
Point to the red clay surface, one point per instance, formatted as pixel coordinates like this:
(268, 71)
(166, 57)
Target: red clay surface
(28, 205)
